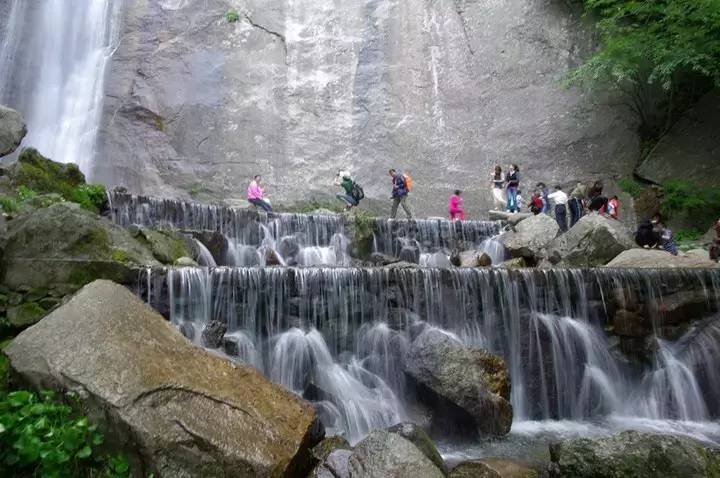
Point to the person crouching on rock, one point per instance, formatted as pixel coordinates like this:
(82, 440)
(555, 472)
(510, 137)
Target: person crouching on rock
(456, 206)
(344, 180)
(255, 195)
(399, 194)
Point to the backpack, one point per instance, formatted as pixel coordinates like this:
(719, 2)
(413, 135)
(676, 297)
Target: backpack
(357, 192)
(409, 185)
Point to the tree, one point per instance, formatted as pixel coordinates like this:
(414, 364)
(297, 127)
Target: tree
(655, 52)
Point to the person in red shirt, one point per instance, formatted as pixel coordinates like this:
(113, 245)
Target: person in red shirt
(613, 207)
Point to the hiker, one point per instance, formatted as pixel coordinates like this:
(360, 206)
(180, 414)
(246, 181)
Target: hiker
(519, 201)
(536, 203)
(544, 194)
(560, 199)
(645, 236)
(613, 208)
(512, 181)
(456, 206)
(399, 194)
(498, 186)
(666, 241)
(353, 191)
(598, 202)
(575, 204)
(715, 247)
(255, 195)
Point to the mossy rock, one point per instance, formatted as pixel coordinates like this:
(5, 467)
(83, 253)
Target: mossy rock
(166, 246)
(65, 245)
(329, 445)
(25, 314)
(43, 175)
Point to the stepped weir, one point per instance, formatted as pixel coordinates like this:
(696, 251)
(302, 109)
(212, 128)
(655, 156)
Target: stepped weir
(589, 351)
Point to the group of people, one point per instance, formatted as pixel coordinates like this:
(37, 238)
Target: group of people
(507, 195)
(653, 234)
(505, 190)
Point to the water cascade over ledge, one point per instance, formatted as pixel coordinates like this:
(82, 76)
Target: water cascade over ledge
(337, 336)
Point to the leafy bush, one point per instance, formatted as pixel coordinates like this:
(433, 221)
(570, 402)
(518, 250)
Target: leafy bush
(42, 437)
(631, 186)
(232, 16)
(9, 204)
(683, 197)
(89, 196)
(688, 235)
(26, 194)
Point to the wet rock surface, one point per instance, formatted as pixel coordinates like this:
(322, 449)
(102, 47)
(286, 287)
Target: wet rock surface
(382, 454)
(12, 130)
(531, 237)
(634, 455)
(493, 468)
(175, 409)
(468, 389)
(421, 440)
(594, 241)
(654, 259)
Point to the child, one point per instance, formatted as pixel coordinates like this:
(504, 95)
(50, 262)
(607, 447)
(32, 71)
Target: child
(613, 207)
(519, 202)
(457, 206)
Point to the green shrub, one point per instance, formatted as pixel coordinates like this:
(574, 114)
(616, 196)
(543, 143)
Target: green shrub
(688, 235)
(631, 186)
(9, 204)
(26, 194)
(681, 197)
(42, 437)
(315, 204)
(232, 16)
(90, 196)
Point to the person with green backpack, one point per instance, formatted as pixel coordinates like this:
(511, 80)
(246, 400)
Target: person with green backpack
(353, 191)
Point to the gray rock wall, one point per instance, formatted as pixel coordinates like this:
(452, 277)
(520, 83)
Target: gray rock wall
(297, 89)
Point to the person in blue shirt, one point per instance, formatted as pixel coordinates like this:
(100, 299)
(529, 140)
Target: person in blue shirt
(399, 194)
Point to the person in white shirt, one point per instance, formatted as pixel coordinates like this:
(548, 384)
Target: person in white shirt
(560, 199)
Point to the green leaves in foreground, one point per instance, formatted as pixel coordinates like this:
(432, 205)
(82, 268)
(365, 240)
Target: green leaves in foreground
(653, 41)
(42, 437)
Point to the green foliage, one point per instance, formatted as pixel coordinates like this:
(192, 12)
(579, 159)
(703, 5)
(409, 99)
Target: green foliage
(681, 197)
(653, 41)
(90, 196)
(119, 255)
(631, 186)
(232, 16)
(9, 204)
(26, 194)
(363, 233)
(656, 52)
(42, 437)
(688, 235)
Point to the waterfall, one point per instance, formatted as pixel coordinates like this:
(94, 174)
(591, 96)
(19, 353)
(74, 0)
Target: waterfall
(337, 336)
(292, 239)
(56, 52)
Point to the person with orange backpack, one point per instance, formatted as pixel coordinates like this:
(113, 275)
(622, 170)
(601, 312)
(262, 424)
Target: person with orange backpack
(401, 187)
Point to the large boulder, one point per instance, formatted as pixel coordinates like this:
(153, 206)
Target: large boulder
(468, 389)
(65, 244)
(655, 258)
(12, 130)
(493, 468)
(593, 241)
(382, 455)
(531, 237)
(166, 246)
(634, 455)
(43, 175)
(421, 440)
(175, 409)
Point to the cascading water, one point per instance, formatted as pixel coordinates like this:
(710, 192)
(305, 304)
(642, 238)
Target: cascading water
(256, 239)
(337, 336)
(57, 81)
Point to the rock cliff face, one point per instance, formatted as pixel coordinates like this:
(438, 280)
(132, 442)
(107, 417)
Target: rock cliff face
(297, 89)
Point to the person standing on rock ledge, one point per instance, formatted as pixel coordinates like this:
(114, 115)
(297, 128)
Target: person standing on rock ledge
(498, 185)
(399, 194)
(513, 184)
(255, 195)
(560, 199)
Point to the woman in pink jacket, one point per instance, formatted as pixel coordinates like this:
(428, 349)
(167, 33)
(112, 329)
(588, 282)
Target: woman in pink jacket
(255, 195)
(457, 206)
